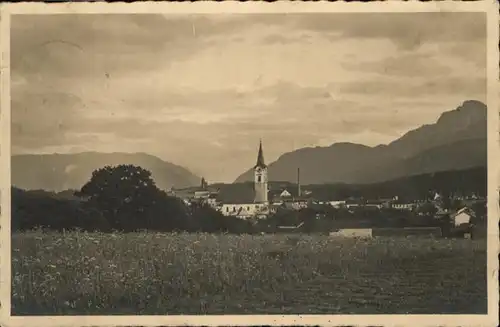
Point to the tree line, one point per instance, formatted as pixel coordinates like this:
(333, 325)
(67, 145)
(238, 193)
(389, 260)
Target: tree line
(125, 198)
(122, 198)
(417, 187)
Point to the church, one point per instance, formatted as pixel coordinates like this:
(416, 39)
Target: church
(260, 206)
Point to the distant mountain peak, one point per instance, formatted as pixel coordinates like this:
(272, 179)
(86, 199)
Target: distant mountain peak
(472, 104)
(469, 111)
(436, 145)
(57, 172)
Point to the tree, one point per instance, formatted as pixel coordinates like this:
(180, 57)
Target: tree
(480, 210)
(126, 195)
(35, 209)
(205, 219)
(446, 203)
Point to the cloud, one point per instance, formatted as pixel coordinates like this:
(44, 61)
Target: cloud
(201, 90)
(408, 65)
(431, 87)
(302, 38)
(112, 43)
(406, 30)
(40, 119)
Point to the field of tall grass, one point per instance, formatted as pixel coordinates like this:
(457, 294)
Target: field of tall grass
(152, 273)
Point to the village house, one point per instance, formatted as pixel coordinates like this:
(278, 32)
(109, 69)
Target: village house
(273, 208)
(337, 204)
(353, 203)
(245, 210)
(212, 201)
(285, 194)
(440, 213)
(296, 204)
(203, 194)
(289, 193)
(400, 204)
(403, 206)
(437, 197)
(196, 193)
(293, 198)
(462, 216)
(379, 204)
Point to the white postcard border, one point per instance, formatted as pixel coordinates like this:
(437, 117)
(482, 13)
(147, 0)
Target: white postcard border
(490, 7)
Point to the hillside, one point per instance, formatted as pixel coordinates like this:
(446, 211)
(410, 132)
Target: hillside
(57, 172)
(466, 181)
(457, 140)
(458, 155)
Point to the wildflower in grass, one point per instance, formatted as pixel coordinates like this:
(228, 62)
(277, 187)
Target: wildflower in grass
(17, 278)
(145, 268)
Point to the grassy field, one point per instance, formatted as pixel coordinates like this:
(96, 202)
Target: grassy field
(148, 273)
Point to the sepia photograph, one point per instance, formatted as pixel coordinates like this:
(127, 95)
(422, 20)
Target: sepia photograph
(248, 163)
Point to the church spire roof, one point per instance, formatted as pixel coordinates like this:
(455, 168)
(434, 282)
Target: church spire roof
(260, 157)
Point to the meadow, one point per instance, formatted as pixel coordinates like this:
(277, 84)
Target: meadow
(154, 273)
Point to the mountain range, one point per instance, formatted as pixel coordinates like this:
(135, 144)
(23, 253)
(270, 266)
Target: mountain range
(58, 172)
(457, 140)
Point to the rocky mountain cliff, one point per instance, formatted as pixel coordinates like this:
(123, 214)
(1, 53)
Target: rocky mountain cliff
(456, 141)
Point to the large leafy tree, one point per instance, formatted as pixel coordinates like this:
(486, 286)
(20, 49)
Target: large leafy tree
(126, 195)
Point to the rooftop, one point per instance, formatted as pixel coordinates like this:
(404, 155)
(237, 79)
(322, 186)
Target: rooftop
(260, 158)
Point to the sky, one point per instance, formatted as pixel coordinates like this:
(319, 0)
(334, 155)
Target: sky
(200, 91)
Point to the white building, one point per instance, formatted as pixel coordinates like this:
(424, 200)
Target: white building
(402, 205)
(260, 206)
(201, 194)
(285, 194)
(245, 210)
(299, 204)
(462, 216)
(337, 204)
(212, 202)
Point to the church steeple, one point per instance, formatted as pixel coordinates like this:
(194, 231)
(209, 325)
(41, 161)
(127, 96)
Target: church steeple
(260, 157)
(260, 178)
